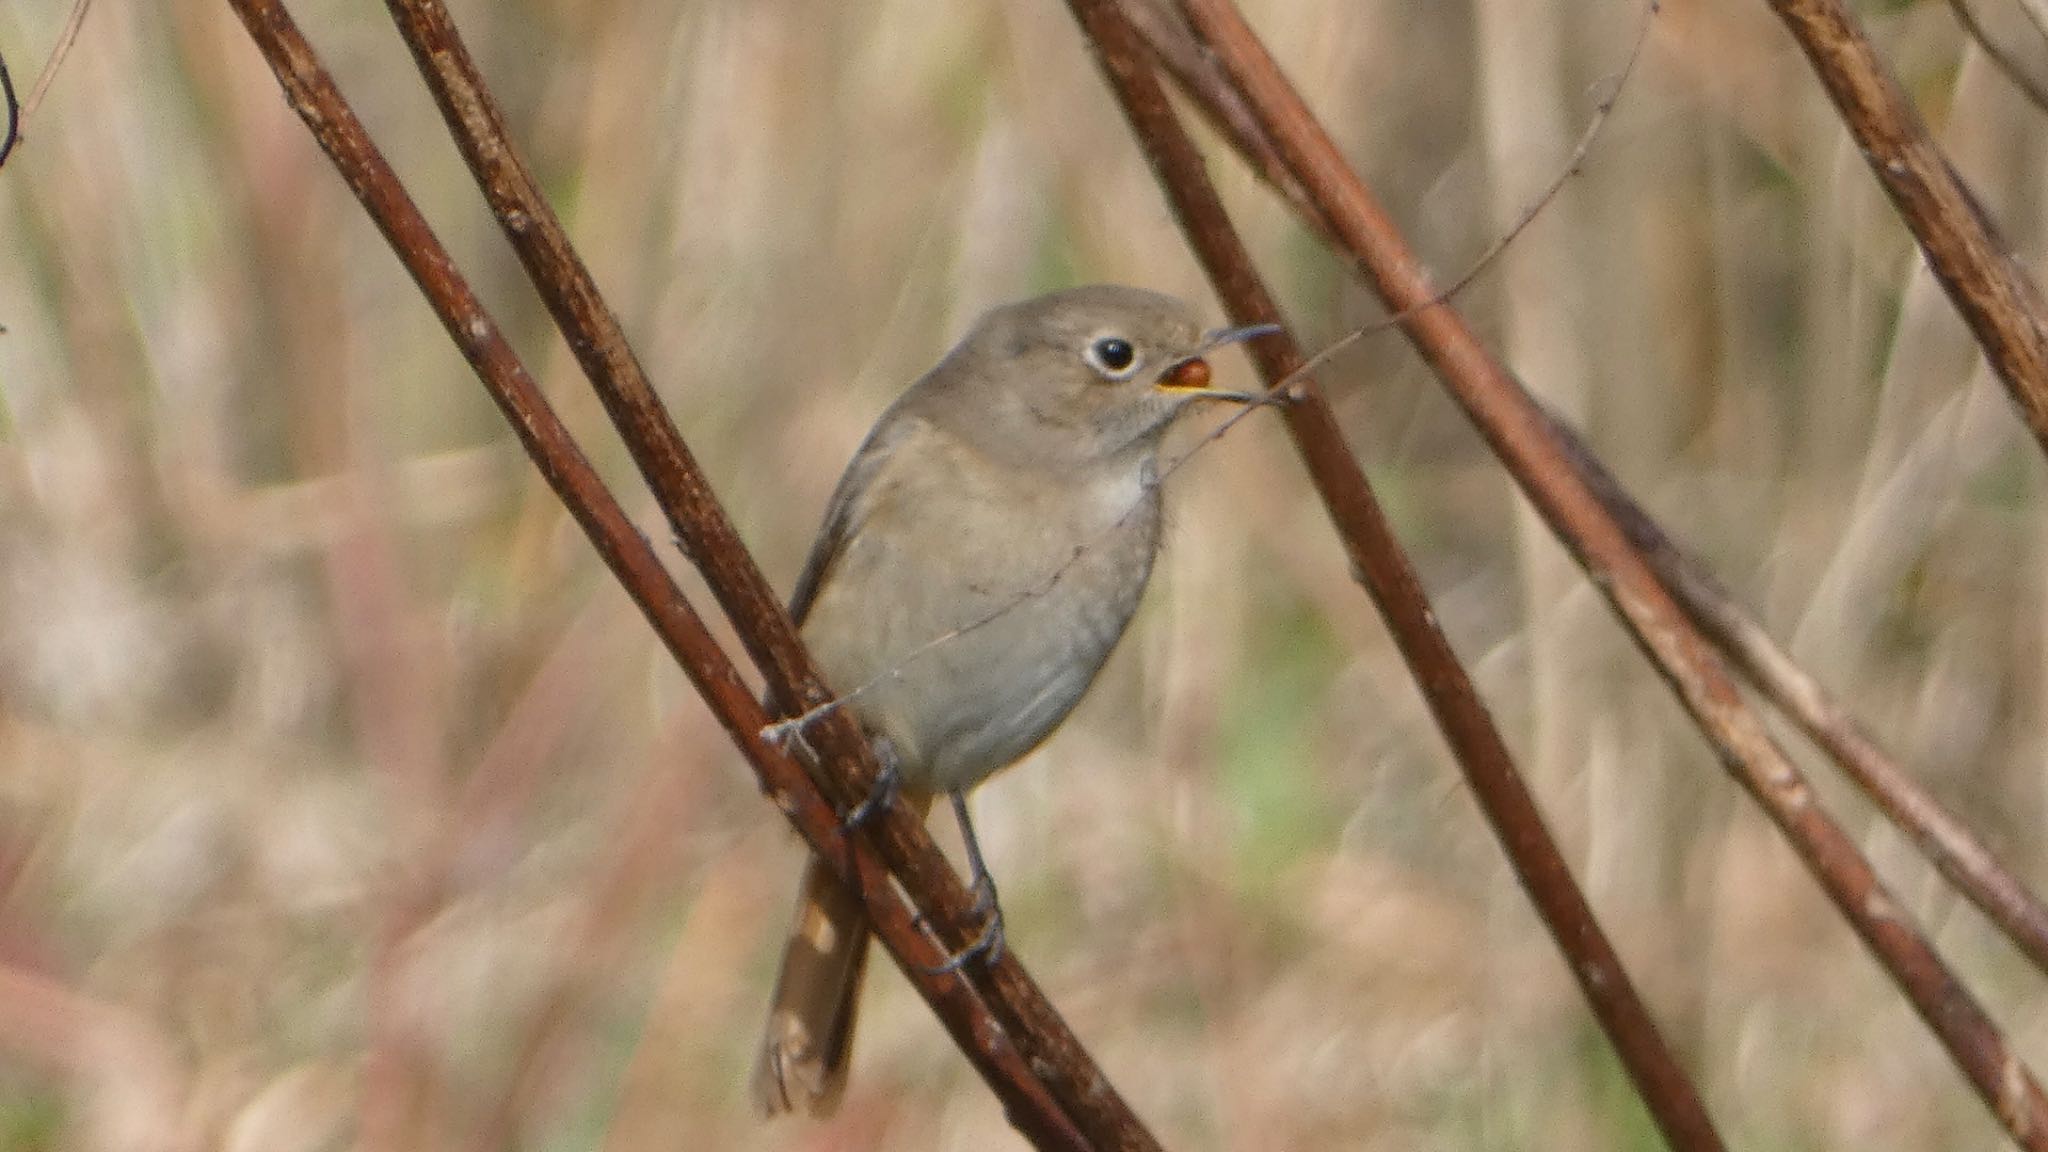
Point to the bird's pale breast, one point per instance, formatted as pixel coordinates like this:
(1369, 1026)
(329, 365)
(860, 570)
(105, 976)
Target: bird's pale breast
(972, 605)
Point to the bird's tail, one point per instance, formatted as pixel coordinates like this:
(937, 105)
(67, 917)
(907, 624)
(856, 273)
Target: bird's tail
(809, 1038)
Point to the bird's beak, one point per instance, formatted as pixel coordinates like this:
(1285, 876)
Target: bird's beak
(1190, 376)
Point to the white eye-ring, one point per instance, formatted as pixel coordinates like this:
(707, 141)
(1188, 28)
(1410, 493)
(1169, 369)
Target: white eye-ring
(1112, 356)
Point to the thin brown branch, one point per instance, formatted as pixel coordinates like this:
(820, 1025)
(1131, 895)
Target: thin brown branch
(701, 528)
(1948, 843)
(1521, 435)
(1175, 49)
(312, 94)
(2007, 64)
(1030, 1022)
(1983, 280)
(1602, 109)
(1166, 34)
(1387, 574)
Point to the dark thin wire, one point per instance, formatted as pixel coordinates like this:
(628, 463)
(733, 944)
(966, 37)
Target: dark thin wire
(13, 114)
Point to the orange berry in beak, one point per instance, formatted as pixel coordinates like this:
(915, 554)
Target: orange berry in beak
(1190, 373)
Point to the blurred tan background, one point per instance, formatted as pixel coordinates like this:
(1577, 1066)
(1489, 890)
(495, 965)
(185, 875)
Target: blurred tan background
(344, 802)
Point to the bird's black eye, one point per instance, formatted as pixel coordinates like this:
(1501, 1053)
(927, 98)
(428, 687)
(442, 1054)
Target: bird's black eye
(1113, 356)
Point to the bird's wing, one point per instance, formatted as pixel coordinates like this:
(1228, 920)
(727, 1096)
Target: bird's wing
(847, 509)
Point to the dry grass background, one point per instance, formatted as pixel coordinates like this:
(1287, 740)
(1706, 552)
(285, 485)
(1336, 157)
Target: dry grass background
(285, 618)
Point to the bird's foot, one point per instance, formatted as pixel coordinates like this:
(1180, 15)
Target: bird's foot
(888, 782)
(988, 946)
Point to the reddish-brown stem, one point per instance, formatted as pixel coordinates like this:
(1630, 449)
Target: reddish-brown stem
(1984, 281)
(1521, 435)
(701, 528)
(704, 533)
(1947, 842)
(1390, 578)
(1201, 79)
(312, 94)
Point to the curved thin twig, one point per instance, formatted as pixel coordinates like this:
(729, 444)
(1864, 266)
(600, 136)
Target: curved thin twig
(1521, 435)
(21, 113)
(1574, 161)
(1949, 844)
(1175, 49)
(65, 39)
(1165, 32)
(1380, 564)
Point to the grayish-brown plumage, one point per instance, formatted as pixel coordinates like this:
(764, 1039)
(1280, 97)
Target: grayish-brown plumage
(978, 562)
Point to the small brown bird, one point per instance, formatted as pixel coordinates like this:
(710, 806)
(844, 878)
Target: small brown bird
(979, 560)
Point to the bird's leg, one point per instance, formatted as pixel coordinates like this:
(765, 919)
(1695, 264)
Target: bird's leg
(990, 943)
(979, 881)
(888, 782)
